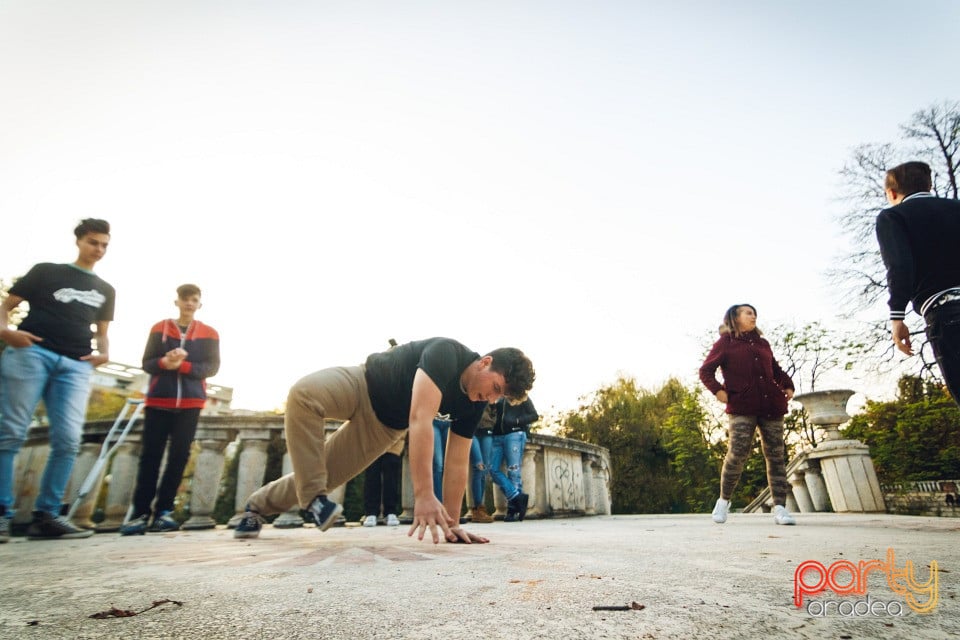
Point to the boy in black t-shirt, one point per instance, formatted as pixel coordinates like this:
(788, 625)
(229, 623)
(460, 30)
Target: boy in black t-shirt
(400, 389)
(50, 357)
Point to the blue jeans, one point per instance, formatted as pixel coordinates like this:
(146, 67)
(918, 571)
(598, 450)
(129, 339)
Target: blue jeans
(480, 452)
(27, 375)
(440, 430)
(508, 448)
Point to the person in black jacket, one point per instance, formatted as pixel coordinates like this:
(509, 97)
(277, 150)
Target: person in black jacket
(509, 440)
(918, 236)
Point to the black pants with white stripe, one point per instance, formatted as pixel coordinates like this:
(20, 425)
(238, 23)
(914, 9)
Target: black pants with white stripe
(943, 332)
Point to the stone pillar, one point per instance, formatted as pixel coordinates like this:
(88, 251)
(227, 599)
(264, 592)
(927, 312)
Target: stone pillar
(28, 468)
(207, 473)
(291, 518)
(89, 452)
(406, 490)
(800, 493)
(601, 486)
(849, 475)
(590, 507)
(122, 484)
(250, 470)
(528, 478)
(816, 486)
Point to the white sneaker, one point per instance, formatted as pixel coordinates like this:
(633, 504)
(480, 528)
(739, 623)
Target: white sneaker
(721, 510)
(370, 521)
(782, 516)
(392, 520)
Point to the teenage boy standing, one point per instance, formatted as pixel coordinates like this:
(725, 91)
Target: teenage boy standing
(180, 355)
(50, 357)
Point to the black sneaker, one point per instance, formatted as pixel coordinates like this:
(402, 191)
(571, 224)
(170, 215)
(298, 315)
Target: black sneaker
(249, 525)
(518, 505)
(135, 527)
(323, 512)
(164, 522)
(46, 526)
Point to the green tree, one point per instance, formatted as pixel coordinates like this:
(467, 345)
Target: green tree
(627, 420)
(693, 440)
(913, 437)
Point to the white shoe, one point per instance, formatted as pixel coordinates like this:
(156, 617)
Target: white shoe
(370, 521)
(721, 510)
(392, 520)
(782, 516)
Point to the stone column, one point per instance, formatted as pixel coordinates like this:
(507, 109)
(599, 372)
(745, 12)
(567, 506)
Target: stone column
(89, 452)
(816, 486)
(589, 498)
(849, 475)
(28, 468)
(122, 483)
(602, 489)
(800, 492)
(207, 473)
(406, 490)
(528, 478)
(250, 470)
(291, 518)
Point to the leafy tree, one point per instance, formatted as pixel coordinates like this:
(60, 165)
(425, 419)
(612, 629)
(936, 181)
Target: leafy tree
(913, 437)
(693, 440)
(932, 134)
(626, 420)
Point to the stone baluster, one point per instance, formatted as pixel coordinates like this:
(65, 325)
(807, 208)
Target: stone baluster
(601, 486)
(250, 470)
(801, 494)
(406, 490)
(122, 484)
(207, 473)
(28, 469)
(816, 486)
(528, 478)
(291, 518)
(589, 497)
(89, 452)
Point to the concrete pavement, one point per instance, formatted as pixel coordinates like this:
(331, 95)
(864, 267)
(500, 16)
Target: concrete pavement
(536, 579)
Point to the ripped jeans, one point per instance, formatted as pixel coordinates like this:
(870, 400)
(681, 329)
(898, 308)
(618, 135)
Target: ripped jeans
(508, 449)
(480, 452)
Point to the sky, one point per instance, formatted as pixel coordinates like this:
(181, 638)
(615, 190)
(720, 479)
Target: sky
(594, 183)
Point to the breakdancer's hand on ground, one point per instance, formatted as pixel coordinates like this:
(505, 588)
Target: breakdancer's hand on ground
(428, 512)
(461, 535)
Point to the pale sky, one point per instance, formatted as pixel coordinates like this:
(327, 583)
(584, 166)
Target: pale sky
(591, 182)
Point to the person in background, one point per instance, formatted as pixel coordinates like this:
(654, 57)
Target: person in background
(180, 355)
(508, 442)
(381, 487)
(919, 236)
(480, 452)
(756, 391)
(50, 357)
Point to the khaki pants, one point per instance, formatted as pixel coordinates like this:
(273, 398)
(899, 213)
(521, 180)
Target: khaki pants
(319, 463)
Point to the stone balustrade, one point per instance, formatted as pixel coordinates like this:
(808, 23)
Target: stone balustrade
(563, 477)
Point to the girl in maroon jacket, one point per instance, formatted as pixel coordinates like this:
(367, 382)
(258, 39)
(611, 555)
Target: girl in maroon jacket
(755, 390)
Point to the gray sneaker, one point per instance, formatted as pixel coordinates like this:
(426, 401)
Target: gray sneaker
(46, 526)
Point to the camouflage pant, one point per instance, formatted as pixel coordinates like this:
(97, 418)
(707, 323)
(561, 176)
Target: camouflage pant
(741, 432)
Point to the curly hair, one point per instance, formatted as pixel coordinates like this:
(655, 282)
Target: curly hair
(517, 371)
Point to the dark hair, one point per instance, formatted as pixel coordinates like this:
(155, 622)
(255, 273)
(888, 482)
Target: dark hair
(91, 225)
(909, 178)
(517, 371)
(730, 319)
(187, 290)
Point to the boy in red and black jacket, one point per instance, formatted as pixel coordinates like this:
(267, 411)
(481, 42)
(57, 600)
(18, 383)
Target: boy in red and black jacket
(179, 356)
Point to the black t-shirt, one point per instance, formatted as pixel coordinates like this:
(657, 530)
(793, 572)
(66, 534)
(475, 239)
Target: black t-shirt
(390, 382)
(64, 301)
